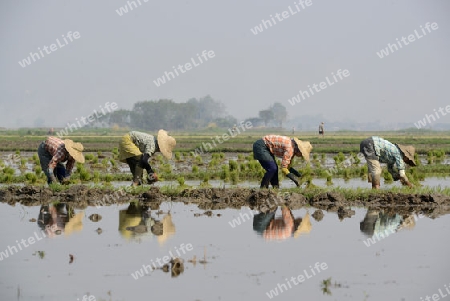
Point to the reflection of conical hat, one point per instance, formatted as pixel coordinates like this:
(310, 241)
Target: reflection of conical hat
(128, 220)
(304, 227)
(166, 143)
(305, 148)
(75, 150)
(168, 229)
(75, 224)
(408, 223)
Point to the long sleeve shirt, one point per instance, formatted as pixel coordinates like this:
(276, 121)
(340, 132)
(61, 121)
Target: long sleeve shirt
(145, 142)
(282, 147)
(388, 153)
(57, 149)
(280, 229)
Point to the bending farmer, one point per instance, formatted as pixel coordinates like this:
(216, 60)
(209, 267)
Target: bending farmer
(136, 148)
(266, 149)
(377, 150)
(53, 152)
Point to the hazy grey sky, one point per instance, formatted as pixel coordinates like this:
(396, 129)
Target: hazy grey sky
(117, 58)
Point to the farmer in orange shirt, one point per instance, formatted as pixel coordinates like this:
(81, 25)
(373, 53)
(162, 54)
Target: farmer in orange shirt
(266, 149)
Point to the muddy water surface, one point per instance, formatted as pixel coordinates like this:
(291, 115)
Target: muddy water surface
(228, 254)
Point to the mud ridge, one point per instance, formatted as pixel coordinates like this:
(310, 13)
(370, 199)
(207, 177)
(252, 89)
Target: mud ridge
(81, 196)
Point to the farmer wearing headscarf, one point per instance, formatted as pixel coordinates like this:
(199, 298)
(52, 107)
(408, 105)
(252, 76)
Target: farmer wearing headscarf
(53, 152)
(266, 149)
(136, 148)
(377, 150)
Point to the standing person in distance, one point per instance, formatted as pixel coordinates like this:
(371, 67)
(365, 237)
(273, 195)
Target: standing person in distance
(321, 130)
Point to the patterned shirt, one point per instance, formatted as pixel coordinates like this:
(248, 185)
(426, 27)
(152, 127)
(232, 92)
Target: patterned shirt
(145, 142)
(56, 148)
(388, 153)
(280, 229)
(282, 147)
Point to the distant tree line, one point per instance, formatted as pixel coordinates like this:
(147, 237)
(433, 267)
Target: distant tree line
(192, 114)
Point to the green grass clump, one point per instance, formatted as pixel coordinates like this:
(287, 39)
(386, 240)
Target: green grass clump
(233, 165)
(96, 177)
(194, 169)
(31, 177)
(339, 158)
(177, 156)
(387, 177)
(88, 157)
(234, 177)
(225, 173)
(9, 170)
(180, 181)
(329, 181)
(108, 178)
(85, 175)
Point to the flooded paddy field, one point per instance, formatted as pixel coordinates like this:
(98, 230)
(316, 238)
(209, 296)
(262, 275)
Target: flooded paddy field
(318, 248)
(207, 232)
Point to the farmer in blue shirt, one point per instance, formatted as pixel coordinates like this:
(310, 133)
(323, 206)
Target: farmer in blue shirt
(377, 150)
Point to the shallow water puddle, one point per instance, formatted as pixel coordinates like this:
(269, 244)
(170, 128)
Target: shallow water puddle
(228, 254)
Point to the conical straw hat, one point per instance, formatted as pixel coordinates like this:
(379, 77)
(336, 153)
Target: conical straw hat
(166, 143)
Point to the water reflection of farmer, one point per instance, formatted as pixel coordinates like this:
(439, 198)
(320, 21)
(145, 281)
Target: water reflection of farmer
(58, 218)
(271, 228)
(136, 222)
(380, 224)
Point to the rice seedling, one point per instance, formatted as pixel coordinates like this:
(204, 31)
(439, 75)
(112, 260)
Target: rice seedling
(23, 163)
(177, 156)
(233, 165)
(198, 160)
(31, 177)
(234, 177)
(85, 175)
(88, 157)
(387, 176)
(329, 181)
(194, 169)
(105, 162)
(108, 178)
(339, 158)
(180, 181)
(225, 173)
(96, 177)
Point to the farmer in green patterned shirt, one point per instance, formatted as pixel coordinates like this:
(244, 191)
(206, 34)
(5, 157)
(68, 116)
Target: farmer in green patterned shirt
(377, 150)
(136, 148)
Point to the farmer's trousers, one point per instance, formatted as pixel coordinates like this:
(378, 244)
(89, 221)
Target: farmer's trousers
(267, 160)
(373, 164)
